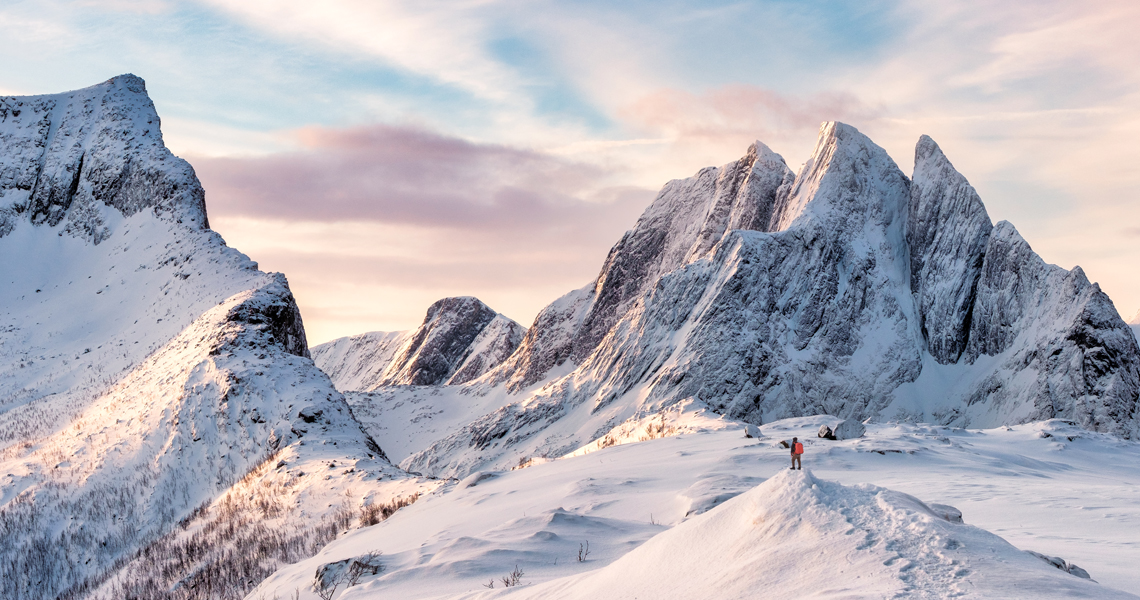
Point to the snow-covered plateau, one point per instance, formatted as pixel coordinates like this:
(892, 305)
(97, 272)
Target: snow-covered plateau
(164, 432)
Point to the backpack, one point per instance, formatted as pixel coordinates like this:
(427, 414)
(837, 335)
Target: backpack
(799, 448)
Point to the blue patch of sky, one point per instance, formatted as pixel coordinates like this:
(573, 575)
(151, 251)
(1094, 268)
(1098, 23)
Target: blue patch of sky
(201, 64)
(772, 43)
(555, 98)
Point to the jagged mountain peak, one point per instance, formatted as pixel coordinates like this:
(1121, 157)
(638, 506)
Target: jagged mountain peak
(460, 339)
(84, 159)
(847, 181)
(948, 230)
(867, 294)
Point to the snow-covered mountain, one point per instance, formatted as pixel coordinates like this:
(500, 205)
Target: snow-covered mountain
(1135, 324)
(848, 289)
(459, 340)
(146, 369)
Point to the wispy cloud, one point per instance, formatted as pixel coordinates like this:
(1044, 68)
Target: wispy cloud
(400, 214)
(405, 175)
(445, 40)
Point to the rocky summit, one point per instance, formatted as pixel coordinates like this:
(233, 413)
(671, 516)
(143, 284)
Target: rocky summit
(847, 289)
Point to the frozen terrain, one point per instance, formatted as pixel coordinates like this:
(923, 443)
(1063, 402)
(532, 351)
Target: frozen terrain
(146, 369)
(713, 514)
(164, 432)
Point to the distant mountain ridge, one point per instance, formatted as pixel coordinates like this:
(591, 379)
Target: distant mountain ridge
(459, 340)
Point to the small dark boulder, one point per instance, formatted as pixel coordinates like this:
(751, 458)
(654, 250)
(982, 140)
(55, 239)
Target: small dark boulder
(826, 433)
(1063, 565)
(310, 414)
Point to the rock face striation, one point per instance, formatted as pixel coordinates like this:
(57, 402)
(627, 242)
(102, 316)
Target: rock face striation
(460, 340)
(848, 289)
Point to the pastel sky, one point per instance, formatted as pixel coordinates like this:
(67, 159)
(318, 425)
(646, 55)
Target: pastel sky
(387, 154)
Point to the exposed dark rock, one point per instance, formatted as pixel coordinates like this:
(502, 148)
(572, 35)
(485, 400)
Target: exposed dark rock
(1062, 564)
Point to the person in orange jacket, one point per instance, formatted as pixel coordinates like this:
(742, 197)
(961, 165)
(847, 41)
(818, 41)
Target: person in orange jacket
(797, 452)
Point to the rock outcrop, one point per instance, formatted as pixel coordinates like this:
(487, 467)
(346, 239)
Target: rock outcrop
(460, 340)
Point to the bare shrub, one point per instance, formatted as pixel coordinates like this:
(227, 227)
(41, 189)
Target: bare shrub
(372, 514)
(513, 578)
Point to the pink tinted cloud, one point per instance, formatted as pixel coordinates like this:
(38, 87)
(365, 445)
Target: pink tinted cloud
(734, 110)
(405, 175)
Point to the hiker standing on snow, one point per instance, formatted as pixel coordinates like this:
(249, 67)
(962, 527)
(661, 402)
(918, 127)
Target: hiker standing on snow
(797, 452)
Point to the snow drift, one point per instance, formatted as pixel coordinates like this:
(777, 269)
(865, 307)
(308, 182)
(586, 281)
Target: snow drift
(798, 536)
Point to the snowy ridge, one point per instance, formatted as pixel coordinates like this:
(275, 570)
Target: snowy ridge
(460, 340)
(866, 294)
(358, 362)
(683, 222)
(797, 535)
(177, 431)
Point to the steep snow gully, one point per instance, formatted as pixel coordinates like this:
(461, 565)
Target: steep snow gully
(164, 432)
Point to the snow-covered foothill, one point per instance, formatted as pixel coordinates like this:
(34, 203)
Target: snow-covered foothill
(1045, 487)
(460, 340)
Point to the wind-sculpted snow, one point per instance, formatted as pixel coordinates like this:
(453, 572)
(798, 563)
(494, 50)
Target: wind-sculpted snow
(67, 158)
(459, 340)
(796, 535)
(867, 294)
(685, 512)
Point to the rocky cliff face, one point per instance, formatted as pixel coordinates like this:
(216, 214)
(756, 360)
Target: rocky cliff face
(460, 340)
(859, 293)
(684, 222)
(69, 157)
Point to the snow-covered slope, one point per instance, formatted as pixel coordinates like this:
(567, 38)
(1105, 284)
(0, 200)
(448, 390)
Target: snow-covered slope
(1135, 324)
(460, 340)
(686, 511)
(145, 368)
(797, 535)
(862, 293)
(358, 362)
